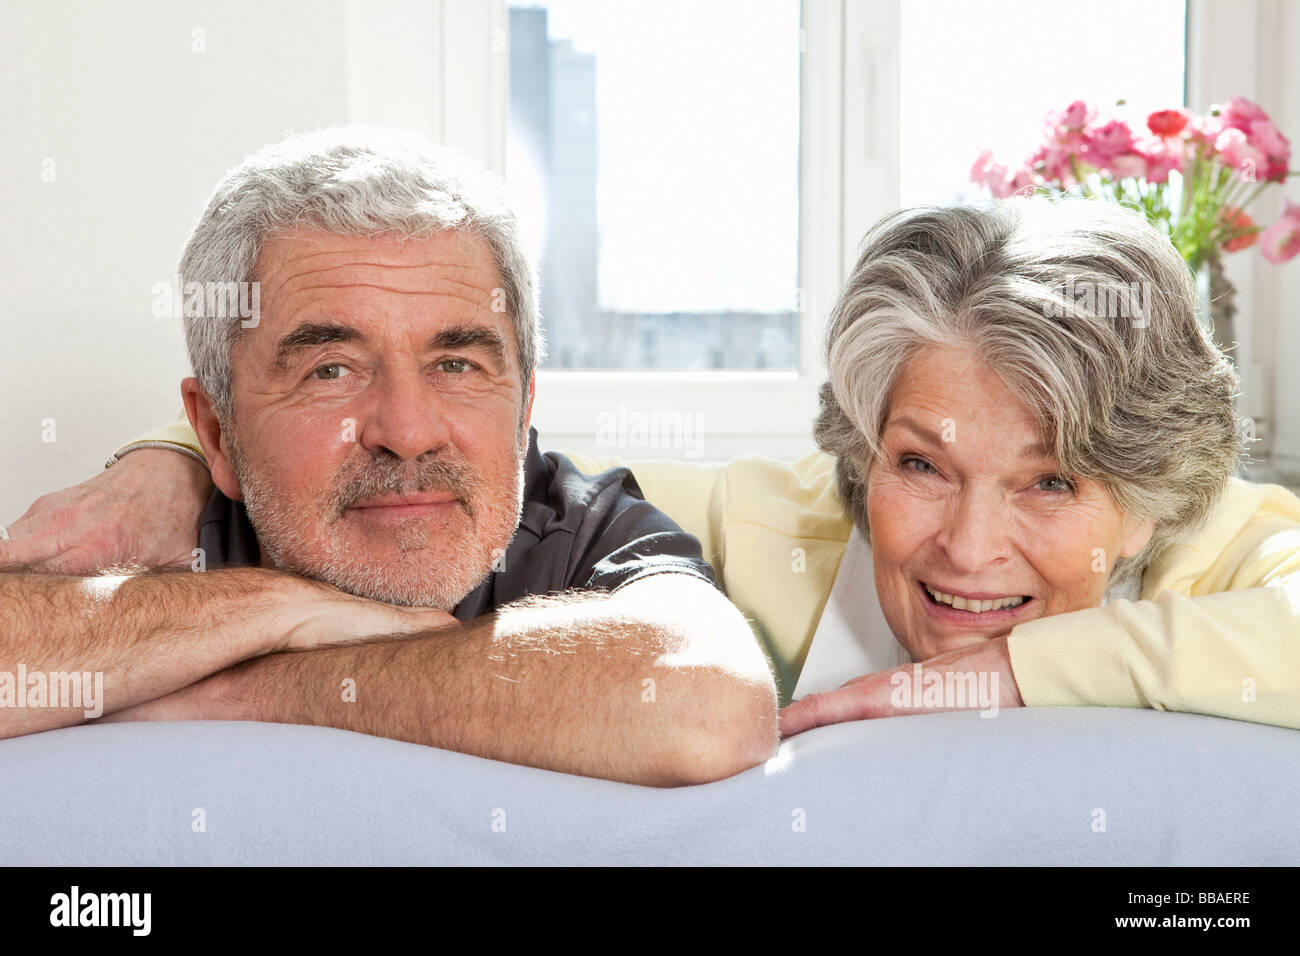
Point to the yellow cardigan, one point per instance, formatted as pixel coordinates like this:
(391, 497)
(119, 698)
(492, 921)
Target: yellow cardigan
(1216, 630)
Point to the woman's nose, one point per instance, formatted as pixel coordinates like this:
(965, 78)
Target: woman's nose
(977, 532)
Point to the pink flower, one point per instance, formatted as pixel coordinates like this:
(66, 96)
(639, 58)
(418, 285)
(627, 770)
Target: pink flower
(1235, 148)
(1103, 143)
(1239, 113)
(1205, 129)
(1241, 226)
(1281, 241)
(1019, 181)
(1128, 166)
(1000, 180)
(1072, 119)
(1168, 122)
(1161, 155)
(985, 172)
(1268, 139)
(1053, 163)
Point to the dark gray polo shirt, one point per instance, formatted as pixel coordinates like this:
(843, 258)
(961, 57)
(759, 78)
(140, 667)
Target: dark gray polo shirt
(577, 532)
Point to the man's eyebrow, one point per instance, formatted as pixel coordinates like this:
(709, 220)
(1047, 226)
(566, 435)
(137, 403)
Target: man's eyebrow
(470, 337)
(1033, 450)
(310, 334)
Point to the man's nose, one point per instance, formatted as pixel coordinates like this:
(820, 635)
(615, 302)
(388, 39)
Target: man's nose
(977, 531)
(406, 416)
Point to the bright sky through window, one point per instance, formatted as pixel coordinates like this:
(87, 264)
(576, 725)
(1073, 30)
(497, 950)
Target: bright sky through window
(981, 74)
(696, 126)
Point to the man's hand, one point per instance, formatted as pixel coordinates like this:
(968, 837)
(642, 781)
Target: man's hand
(327, 616)
(143, 511)
(873, 695)
(141, 637)
(659, 683)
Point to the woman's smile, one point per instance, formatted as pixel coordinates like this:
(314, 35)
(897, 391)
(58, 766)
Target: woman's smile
(976, 609)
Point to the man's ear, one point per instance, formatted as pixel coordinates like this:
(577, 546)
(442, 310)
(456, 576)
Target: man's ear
(204, 421)
(1138, 531)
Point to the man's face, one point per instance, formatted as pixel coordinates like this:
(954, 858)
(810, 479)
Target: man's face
(968, 511)
(379, 421)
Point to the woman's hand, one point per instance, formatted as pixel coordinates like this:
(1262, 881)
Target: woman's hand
(142, 511)
(897, 692)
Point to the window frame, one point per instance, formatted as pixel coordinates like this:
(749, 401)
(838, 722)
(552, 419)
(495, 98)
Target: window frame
(848, 178)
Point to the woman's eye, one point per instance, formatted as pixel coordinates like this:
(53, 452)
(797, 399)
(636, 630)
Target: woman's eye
(1062, 485)
(330, 372)
(922, 466)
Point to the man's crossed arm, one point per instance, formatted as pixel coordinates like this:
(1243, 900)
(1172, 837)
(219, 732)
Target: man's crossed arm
(151, 633)
(659, 683)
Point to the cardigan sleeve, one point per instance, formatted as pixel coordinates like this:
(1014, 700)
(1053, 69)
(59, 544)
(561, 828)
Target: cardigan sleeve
(1222, 638)
(177, 433)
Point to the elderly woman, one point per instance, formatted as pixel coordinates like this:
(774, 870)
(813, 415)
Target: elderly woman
(1030, 431)
(1026, 479)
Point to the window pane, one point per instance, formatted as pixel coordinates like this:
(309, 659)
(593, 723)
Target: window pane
(986, 78)
(653, 155)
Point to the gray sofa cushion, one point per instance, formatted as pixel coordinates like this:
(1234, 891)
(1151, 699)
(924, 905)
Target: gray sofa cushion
(1024, 787)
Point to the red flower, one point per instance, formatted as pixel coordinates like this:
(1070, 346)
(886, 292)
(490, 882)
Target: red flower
(1241, 228)
(1168, 122)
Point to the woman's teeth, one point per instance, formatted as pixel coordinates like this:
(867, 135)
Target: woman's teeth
(978, 607)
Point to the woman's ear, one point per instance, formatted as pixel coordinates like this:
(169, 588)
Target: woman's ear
(1138, 532)
(207, 426)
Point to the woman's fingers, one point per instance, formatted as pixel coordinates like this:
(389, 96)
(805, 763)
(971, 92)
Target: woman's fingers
(862, 698)
(831, 707)
(142, 511)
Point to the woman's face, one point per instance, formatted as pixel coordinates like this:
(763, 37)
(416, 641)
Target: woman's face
(969, 514)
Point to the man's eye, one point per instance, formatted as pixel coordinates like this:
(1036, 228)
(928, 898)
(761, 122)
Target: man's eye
(330, 372)
(455, 365)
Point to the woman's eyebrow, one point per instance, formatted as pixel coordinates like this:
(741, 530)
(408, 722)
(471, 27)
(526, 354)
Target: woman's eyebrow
(1034, 450)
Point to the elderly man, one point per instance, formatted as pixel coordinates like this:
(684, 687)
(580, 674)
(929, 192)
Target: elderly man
(368, 431)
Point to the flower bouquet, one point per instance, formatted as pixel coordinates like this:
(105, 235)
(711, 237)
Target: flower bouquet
(1193, 176)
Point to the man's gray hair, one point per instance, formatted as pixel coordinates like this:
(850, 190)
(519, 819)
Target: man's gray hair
(349, 181)
(1084, 311)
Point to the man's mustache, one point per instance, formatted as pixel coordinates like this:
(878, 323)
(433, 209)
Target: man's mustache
(374, 476)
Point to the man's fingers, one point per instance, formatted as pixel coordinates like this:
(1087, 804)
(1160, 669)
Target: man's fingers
(26, 550)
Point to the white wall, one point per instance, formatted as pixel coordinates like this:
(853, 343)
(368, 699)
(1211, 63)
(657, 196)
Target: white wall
(1279, 290)
(139, 127)
(1247, 48)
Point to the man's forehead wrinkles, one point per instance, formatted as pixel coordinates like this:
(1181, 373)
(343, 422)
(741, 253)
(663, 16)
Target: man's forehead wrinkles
(366, 248)
(345, 260)
(293, 279)
(474, 301)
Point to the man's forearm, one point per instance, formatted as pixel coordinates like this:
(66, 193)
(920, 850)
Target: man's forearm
(576, 686)
(123, 639)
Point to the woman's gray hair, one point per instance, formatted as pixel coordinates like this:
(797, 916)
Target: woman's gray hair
(1083, 310)
(348, 181)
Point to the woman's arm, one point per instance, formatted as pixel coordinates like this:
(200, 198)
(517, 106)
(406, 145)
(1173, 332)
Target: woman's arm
(1218, 634)
(1234, 654)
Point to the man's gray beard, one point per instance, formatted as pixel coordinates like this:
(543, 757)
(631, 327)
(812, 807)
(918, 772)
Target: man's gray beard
(284, 544)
